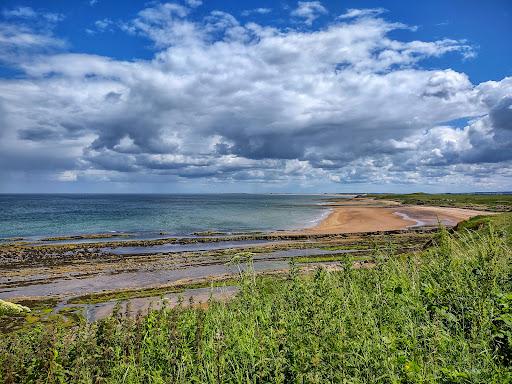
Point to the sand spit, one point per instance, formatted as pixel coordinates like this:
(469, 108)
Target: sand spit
(367, 215)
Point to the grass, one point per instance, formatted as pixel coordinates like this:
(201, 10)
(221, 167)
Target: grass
(442, 315)
(502, 222)
(491, 202)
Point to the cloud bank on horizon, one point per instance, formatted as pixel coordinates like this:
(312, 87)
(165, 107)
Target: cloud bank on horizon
(229, 102)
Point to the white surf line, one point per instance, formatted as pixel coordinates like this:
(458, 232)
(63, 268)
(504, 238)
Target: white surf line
(405, 216)
(317, 220)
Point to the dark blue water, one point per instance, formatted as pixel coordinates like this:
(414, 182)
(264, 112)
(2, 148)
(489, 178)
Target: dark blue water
(71, 214)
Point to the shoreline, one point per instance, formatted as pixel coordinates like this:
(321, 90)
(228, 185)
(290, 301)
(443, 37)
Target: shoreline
(340, 215)
(51, 275)
(369, 215)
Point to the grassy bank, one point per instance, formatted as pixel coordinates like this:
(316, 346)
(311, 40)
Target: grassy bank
(496, 203)
(442, 315)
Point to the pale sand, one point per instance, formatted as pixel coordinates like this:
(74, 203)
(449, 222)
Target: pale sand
(365, 215)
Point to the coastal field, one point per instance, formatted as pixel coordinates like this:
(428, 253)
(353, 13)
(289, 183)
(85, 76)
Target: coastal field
(490, 202)
(409, 294)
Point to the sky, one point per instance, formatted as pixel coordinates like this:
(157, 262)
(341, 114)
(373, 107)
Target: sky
(255, 96)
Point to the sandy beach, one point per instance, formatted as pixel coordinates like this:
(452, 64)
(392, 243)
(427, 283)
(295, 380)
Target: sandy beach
(367, 215)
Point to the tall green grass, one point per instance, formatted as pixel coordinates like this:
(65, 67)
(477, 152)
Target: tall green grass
(444, 315)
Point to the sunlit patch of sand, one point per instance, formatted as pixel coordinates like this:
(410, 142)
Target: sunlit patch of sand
(367, 215)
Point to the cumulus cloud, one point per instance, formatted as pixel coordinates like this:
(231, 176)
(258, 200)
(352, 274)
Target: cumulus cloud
(227, 101)
(164, 24)
(309, 11)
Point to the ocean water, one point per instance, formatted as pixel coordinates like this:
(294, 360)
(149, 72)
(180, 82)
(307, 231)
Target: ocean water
(33, 215)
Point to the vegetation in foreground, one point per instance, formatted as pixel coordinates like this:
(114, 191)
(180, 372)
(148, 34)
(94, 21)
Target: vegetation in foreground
(489, 202)
(10, 309)
(443, 315)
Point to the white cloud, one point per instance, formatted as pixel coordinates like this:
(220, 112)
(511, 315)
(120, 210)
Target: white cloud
(27, 32)
(258, 11)
(19, 36)
(67, 176)
(23, 12)
(366, 12)
(309, 11)
(164, 23)
(225, 101)
(29, 13)
(102, 25)
(19, 41)
(194, 3)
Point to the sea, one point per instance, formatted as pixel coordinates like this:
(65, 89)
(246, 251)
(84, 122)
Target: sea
(42, 215)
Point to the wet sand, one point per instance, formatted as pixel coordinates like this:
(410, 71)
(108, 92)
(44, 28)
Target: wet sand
(149, 275)
(367, 215)
(198, 297)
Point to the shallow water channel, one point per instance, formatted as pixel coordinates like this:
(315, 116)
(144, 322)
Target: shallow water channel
(192, 247)
(141, 305)
(150, 276)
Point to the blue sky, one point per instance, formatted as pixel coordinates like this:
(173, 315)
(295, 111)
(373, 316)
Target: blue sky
(255, 96)
(485, 24)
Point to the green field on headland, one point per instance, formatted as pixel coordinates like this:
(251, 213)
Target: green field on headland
(439, 315)
(490, 202)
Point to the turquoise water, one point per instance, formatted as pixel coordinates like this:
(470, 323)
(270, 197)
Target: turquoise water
(31, 215)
